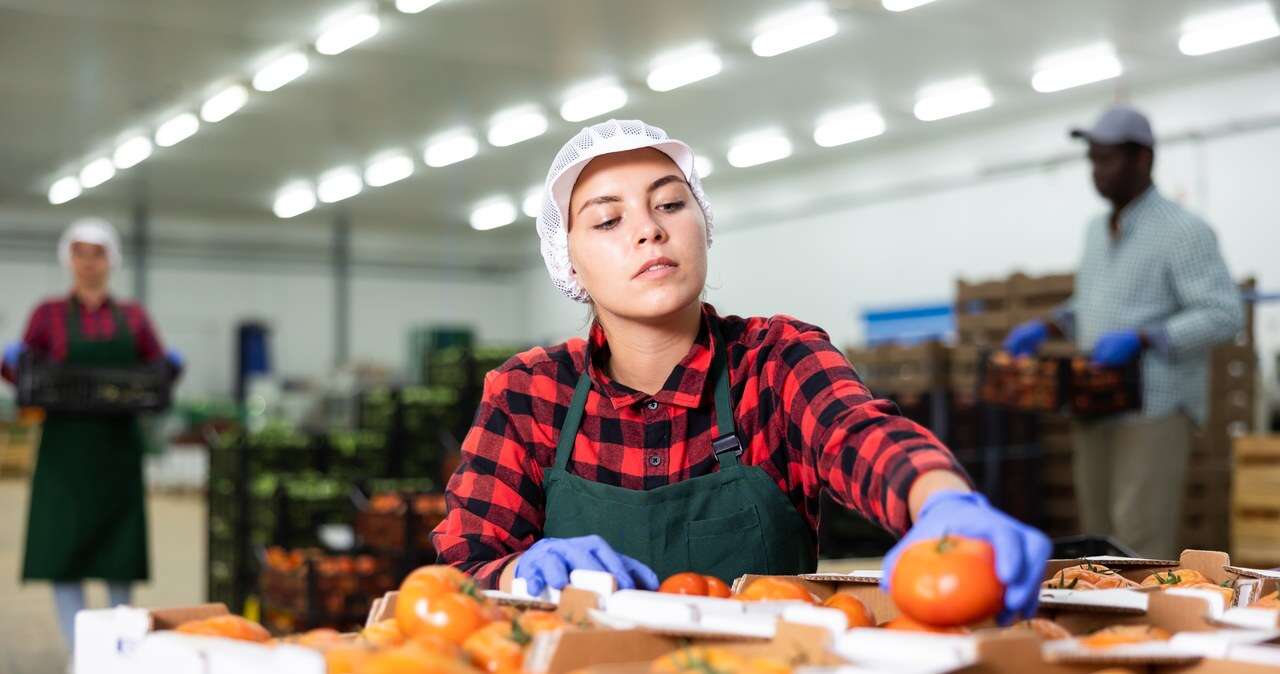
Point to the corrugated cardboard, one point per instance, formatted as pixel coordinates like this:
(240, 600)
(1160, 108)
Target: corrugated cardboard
(572, 607)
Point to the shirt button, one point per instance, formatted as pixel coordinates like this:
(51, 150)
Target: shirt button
(655, 460)
(653, 405)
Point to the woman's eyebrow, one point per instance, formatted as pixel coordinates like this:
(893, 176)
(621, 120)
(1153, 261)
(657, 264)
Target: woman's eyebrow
(610, 199)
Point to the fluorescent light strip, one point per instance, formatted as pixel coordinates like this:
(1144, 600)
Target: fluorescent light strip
(131, 152)
(1076, 69)
(389, 169)
(450, 149)
(414, 6)
(903, 5)
(949, 101)
(849, 126)
(280, 72)
(532, 203)
(293, 200)
(177, 129)
(703, 166)
(96, 172)
(794, 34)
(593, 103)
(348, 33)
(224, 104)
(513, 127)
(493, 214)
(64, 189)
(1227, 30)
(759, 149)
(676, 72)
(338, 184)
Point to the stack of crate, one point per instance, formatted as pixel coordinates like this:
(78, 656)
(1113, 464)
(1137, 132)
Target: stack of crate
(985, 313)
(902, 372)
(1255, 502)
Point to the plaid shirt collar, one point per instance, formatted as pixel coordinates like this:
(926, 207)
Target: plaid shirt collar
(1134, 212)
(685, 385)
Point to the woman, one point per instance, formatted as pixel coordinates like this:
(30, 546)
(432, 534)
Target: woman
(86, 518)
(673, 438)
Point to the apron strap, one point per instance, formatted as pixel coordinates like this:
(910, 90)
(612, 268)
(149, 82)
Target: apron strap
(726, 446)
(572, 420)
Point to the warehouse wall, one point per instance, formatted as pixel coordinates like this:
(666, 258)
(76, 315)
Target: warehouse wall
(824, 244)
(203, 280)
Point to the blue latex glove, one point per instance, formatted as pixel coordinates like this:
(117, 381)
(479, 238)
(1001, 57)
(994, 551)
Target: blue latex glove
(1118, 348)
(550, 560)
(175, 358)
(1021, 550)
(12, 352)
(1025, 340)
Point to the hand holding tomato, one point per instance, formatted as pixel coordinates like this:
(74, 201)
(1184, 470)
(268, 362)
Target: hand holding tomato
(1020, 551)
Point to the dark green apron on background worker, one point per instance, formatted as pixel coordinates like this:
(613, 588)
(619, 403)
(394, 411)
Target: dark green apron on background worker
(87, 517)
(732, 522)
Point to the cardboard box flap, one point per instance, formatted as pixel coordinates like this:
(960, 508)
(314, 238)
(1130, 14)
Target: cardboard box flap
(1118, 562)
(1250, 618)
(567, 650)
(1218, 644)
(868, 576)
(517, 601)
(1071, 651)
(170, 618)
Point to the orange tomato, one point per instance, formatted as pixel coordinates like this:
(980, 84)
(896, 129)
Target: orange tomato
(227, 627)
(1178, 577)
(345, 659)
(1268, 601)
(906, 623)
(1228, 593)
(947, 581)
(452, 616)
(717, 588)
(411, 659)
(537, 622)
(685, 583)
(854, 610)
(1119, 635)
(318, 637)
(775, 589)
(703, 659)
(494, 649)
(383, 634)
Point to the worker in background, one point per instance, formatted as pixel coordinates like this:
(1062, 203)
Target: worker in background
(1152, 286)
(86, 518)
(675, 438)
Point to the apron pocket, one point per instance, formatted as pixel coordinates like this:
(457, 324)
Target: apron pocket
(728, 547)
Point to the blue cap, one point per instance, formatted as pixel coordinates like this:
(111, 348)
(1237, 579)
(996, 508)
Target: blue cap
(1119, 125)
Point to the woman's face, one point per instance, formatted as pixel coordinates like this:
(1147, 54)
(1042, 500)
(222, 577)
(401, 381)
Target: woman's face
(628, 211)
(89, 265)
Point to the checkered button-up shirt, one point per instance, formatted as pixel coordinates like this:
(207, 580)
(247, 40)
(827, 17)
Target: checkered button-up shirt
(802, 414)
(1162, 273)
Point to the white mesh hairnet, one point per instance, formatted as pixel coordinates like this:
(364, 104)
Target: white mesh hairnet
(591, 142)
(90, 230)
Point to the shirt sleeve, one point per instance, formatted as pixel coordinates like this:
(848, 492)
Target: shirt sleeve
(858, 448)
(495, 499)
(1212, 310)
(37, 338)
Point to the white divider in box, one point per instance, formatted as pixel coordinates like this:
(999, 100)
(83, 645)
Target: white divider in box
(1122, 599)
(651, 607)
(1216, 603)
(1219, 643)
(1251, 618)
(777, 608)
(747, 625)
(914, 652)
(173, 653)
(834, 621)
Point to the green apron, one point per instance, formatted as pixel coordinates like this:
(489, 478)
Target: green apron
(732, 522)
(87, 517)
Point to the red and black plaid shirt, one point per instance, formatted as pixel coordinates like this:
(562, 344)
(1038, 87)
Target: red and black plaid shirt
(802, 414)
(47, 328)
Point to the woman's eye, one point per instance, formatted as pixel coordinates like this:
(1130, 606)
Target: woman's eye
(607, 224)
(671, 206)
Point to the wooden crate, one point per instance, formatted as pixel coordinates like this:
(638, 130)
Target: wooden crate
(1255, 501)
(18, 442)
(895, 370)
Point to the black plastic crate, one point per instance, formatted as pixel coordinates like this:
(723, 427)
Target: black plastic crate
(59, 387)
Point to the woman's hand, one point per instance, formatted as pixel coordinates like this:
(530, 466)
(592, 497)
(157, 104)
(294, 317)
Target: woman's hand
(550, 560)
(1021, 550)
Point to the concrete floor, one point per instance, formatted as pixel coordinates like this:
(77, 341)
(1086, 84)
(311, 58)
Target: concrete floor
(29, 638)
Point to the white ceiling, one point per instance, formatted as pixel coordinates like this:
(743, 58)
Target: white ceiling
(76, 74)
